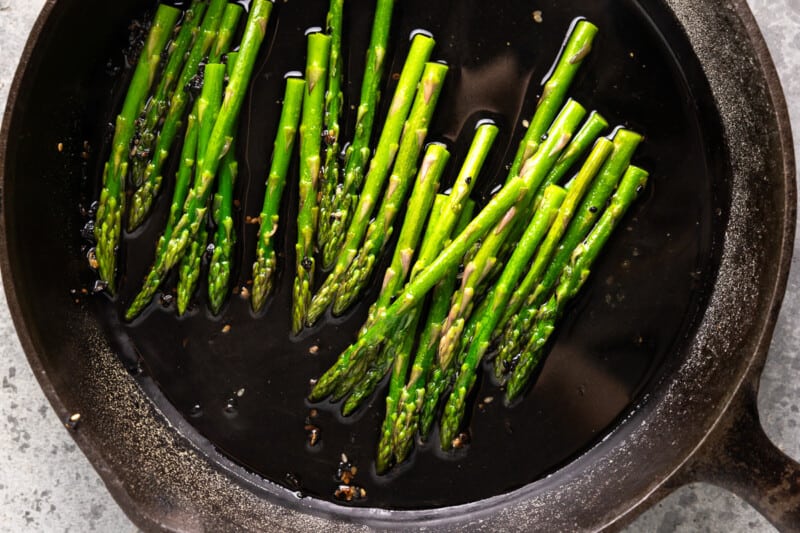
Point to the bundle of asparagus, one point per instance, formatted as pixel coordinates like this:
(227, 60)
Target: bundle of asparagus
(522, 258)
(207, 151)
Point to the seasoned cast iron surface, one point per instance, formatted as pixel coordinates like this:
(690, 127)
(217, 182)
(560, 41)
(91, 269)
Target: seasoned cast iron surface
(639, 306)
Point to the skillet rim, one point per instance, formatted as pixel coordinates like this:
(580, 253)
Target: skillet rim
(751, 366)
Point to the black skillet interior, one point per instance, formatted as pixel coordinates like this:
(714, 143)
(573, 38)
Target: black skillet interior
(637, 311)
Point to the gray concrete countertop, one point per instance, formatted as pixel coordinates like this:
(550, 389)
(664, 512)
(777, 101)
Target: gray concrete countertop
(46, 484)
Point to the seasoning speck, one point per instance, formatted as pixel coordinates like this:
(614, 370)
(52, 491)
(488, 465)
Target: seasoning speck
(91, 256)
(60, 147)
(72, 421)
(460, 441)
(537, 16)
(314, 350)
(226, 328)
(313, 433)
(349, 493)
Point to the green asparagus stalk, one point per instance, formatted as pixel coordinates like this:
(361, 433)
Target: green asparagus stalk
(536, 170)
(221, 136)
(420, 205)
(220, 264)
(144, 196)
(577, 47)
(208, 107)
(517, 330)
(189, 268)
(537, 229)
(219, 267)
(108, 222)
(227, 29)
(156, 107)
(265, 263)
(380, 166)
(381, 228)
(573, 277)
(333, 110)
(332, 233)
(413, 293)
(319, 47)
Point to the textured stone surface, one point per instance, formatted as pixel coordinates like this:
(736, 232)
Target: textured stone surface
(47, 485)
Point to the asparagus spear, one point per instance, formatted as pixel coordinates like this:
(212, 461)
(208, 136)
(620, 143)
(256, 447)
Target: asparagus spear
(454, 408)
(573, 277)
(196, 202)
(333, 111)
(413, 293)
(156, 107)
(380, 229)
(396, 275)
(435, 240)
(332, 234)
(227, 29)
(515, 333)
(208, 107)
(264, 265)
(143, 197)
(319, 47)
(577, 47)
(421, 48)
(536, 170)
(108, 223)
(189, 268)
(219, 267)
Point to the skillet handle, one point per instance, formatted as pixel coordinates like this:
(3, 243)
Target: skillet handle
(741, 458)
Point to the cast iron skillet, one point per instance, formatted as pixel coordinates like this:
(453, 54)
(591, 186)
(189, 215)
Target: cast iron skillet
(696, 420)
